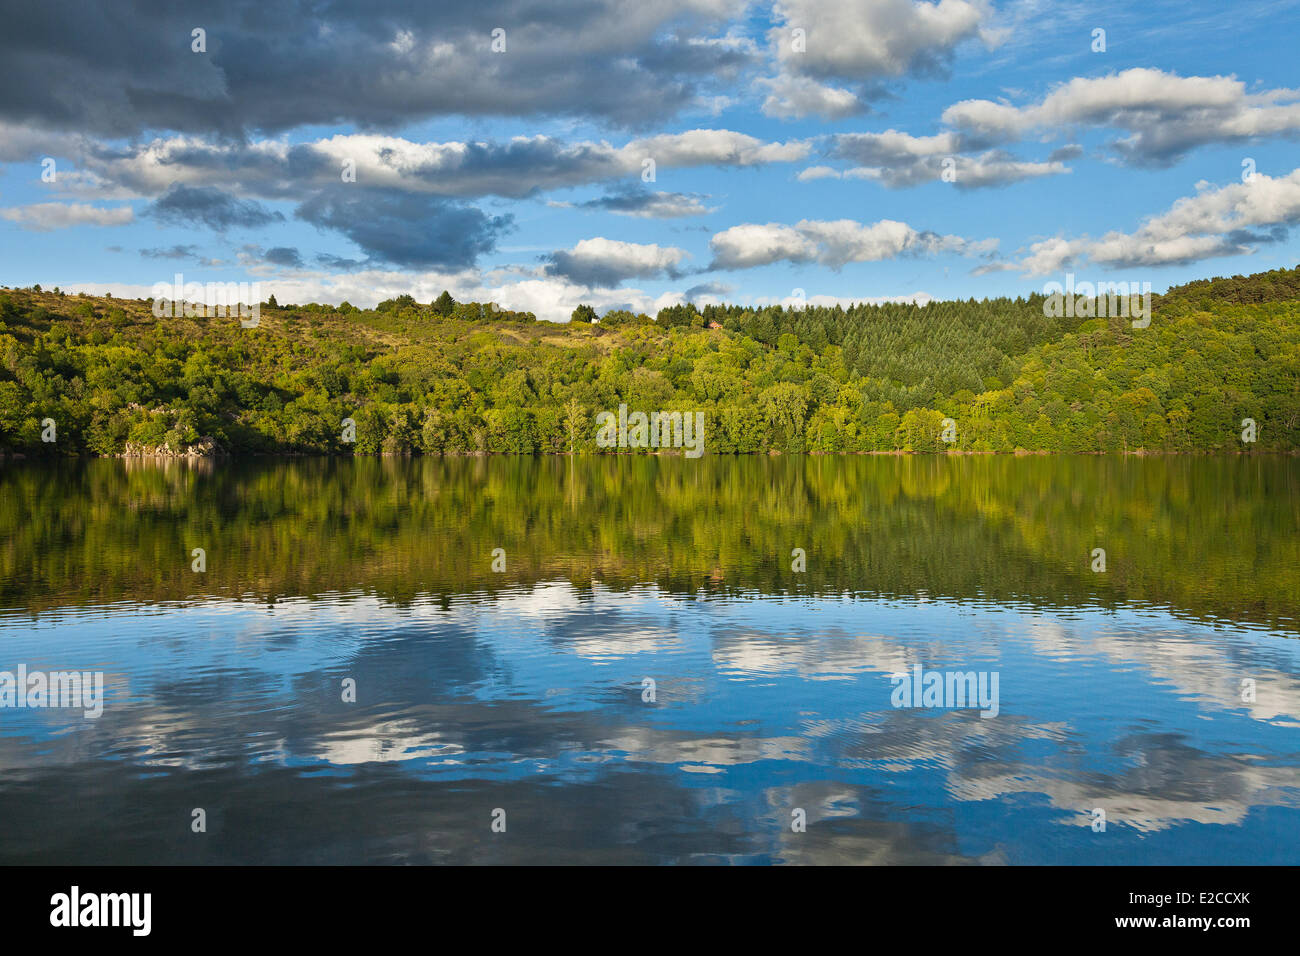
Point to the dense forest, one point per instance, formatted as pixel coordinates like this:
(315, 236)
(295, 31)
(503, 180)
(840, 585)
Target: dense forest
(103, 376)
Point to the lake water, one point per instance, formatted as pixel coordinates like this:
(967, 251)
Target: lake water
(1162, 692)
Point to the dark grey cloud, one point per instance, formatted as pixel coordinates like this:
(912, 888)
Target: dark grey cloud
(339, 263)
(593, 275)
(179, 252)
(1241, 237)
(191, 205)
(1062, 153)
(648, 204)
(517, 168)
(124, 68)
(899, 161)
(719, 289)
(173, 252)
(687, 53)
(407, 230)
(283, 256)
(604, 263)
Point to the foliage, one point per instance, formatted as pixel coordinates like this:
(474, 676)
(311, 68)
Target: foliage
(468, 378)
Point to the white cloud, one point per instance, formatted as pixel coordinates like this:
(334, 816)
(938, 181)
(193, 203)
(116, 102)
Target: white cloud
(872, 38)
(792, 97)
(858, 43)
(1218, 221)
(817, 172)
(711, 147)
(1164, 114)
(753, 244)
(42, 217)
(830, 243)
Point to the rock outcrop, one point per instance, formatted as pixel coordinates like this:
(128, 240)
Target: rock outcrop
(205, 447)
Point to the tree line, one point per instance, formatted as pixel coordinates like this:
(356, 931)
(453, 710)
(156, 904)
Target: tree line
(456, 378)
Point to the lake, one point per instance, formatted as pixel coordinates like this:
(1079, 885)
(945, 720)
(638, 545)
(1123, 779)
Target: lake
(626, 660)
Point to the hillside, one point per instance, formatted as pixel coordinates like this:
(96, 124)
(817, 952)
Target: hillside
(453, 378)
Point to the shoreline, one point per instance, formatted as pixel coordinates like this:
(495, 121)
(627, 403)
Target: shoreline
(953, 453)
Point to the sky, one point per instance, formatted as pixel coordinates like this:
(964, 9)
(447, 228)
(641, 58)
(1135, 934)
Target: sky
(637, 153)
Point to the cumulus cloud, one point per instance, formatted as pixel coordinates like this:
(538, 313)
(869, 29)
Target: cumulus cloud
(219, 183)
(792, 97)
(898, 160)
(754, 244)
(418, 231)
(1069, 151)
(373, 65)
(198, 135)
(45, 216)
(520, 167)
(992, 168)
(860, 42)
(893, 147)
(856, 38)
(834, 243)
(173, 252)
(646, 204)
(715, 291)
(1165, 115)
(817, 172)
(1217, 221)
(607, 262)
(713, 147)
(284, 256)
(328, 260)
(193, 205)
(21, 141)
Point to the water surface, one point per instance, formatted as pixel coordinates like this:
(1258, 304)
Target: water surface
(523, 690)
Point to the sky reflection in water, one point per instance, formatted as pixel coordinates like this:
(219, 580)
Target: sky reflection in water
(528, 697)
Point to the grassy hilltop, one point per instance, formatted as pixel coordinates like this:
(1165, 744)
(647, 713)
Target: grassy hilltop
(463, 378)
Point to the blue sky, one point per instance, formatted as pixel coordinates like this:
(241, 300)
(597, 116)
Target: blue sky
(783, 161)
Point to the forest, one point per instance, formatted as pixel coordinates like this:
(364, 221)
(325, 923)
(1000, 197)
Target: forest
(85, 375)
